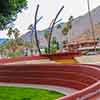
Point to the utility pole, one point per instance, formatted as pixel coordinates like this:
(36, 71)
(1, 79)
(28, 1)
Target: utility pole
(91, 24)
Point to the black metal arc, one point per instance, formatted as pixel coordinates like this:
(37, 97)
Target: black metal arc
(35, 30)
(50, 34)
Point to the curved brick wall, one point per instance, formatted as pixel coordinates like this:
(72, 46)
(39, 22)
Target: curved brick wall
(82, 77)
(74, 76)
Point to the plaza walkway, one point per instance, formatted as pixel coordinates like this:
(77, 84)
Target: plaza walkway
(41, 61)
(91, 59)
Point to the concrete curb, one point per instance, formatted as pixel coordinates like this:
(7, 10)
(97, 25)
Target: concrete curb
(63, 90)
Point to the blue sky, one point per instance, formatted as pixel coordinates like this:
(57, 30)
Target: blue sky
(48, 9)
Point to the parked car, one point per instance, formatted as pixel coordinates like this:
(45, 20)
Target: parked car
(91, 53)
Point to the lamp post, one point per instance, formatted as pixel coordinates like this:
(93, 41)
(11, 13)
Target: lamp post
(91, 24)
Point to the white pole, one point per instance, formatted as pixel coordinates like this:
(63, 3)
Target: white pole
(91, 24)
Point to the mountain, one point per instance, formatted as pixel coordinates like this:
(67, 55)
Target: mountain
(28, 38)
(88, 36)
(80, 26)
(2, 40)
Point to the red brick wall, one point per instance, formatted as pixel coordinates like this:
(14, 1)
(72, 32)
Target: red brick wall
(74, 76)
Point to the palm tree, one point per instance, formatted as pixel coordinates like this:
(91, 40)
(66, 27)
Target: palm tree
(59, 26)
(13, 32)
(30, 27)
(10, 32)
(69, 24)
(46, 34)
(65, 30)
(91, 24)
(13, 35)
(16, 33)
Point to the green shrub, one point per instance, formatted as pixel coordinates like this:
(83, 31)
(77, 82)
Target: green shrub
(14, 54)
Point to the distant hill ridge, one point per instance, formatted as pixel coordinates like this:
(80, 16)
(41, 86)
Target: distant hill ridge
(3, 40)
(80, 26)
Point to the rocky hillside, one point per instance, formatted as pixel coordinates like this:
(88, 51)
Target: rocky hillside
(88, 35)
(80, 26)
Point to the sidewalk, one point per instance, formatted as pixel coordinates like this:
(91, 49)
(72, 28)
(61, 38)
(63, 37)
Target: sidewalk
(91, 59)
(41, 61)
